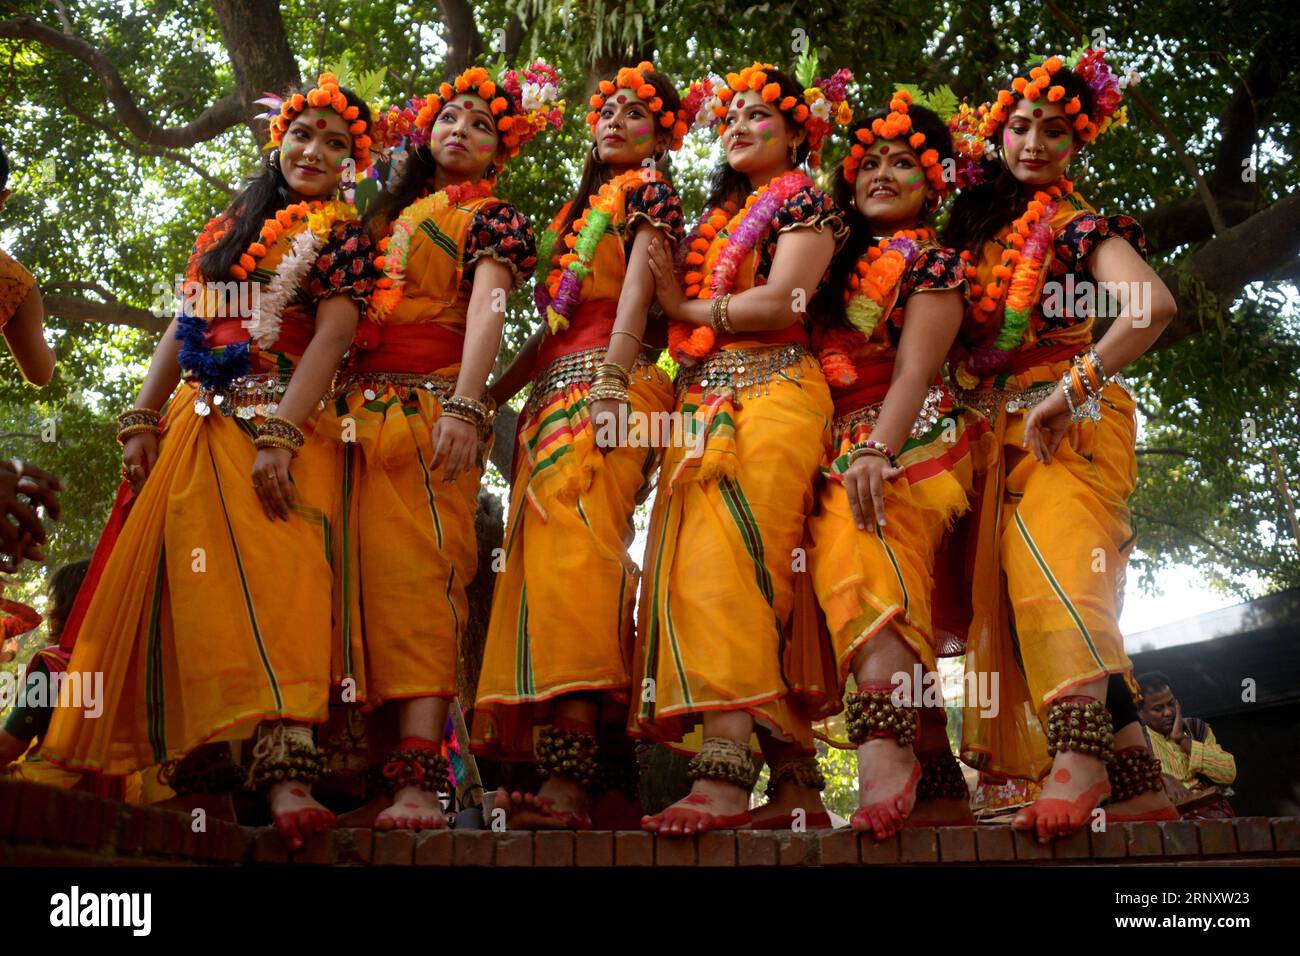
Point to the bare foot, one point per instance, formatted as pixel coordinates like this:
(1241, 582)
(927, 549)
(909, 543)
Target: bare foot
(711, 805)
(1145, 806)
(296, 813)
(781, 811)
(560, 804)
(1074, 787)
(413, 808)
(887, 779)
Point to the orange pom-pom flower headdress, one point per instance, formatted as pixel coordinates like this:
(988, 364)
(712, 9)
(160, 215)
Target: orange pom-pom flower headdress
(326, 94)
(1106, 88)
(634, 80)
(823, 102)
(523, 103)
(897, 125)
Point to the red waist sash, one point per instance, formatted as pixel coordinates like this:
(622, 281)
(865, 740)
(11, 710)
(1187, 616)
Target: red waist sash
(590, 328)
(1030, 358)
(416, 348)
(296, 330)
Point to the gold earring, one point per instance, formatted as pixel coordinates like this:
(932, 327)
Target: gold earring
(595, 155)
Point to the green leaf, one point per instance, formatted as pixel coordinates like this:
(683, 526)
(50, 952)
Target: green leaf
(943, 101)
(805, 69)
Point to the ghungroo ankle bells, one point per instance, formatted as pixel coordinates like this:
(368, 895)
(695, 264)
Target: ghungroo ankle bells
(941, 777)
(725, 760)
(1081, 724)
(804, 771)
(1134, 771)
(284, 752)
(873, 713)
(416, 763)
(567, 753)
(205, 769)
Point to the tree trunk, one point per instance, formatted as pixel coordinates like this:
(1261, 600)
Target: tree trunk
(253, 33)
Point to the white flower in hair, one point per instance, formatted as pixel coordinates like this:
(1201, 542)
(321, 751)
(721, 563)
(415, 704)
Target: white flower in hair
(535, 96)
(820, 108)
(1131, 78)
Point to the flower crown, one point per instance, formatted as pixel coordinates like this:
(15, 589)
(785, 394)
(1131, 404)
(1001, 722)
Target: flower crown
(326, 94)
(1090, 64)
(533, 92)
(633, 79)
(824, 101)
(895, 126)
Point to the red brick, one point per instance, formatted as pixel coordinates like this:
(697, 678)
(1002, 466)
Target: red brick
(756, 848)
(514, 848)
(797, 849)
(1254, 835)
(1074, 846)
(884, 853)
(674, 851)
(83, 828)
(35, 809)
(718, 849)
(1144, 839)
(634, 848)
(918, 845)
(268, 847)
(320, 850)
(353, 846)
(393, 848)
(995, 843)
(1180, 838)
(840, 848)
(594, 847)
(10, 797)
(433, 848)
(472, 847)
(957, 844)
(1028, 847)
(1217, 837)
(1108, 843)
(161, 832)
(1286, 833)
(553, 849)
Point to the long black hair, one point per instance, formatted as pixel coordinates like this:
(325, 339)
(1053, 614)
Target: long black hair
(416, 178)
(731, 184)
(63, 587)
(262, 197)
(981, 211)
(828, 307)
(596, 174)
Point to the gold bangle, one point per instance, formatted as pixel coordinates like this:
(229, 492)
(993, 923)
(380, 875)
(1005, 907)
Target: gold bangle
(130, 431)
(639, 343)
(277, 441)
(135, 416)
(273, 424)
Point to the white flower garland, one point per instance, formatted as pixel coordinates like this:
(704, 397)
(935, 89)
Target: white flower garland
(264, 327)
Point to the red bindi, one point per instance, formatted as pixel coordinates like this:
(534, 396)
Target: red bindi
(320, 124)
(884, 150)
(1037, 113)
(621, 99)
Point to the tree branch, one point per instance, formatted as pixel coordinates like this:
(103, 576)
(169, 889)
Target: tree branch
(1206, 282)
(464, 42)
(73, 308)
(145, 150)
(212, 122)
(1225, 552)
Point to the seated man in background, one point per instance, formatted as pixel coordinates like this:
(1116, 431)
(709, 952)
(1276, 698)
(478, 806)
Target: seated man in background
(1196, 768)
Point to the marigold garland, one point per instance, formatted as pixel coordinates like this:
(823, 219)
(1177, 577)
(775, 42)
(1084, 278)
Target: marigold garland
(870, 287)
(893, 127)
(1090, 64)
(743, 230)
(563, 284)
(633, 79)
(326, 94)
(396, 246)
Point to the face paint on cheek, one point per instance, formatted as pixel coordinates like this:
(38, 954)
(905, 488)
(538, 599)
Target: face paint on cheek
(1061, 150)
(641, 134)
(915, 180)
(766, 130)
(1007, 142)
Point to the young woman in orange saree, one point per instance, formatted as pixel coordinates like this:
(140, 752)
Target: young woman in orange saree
(233, 490)
(735, 486)
(1053, 534)
(900, 467)
(410, 413)
(556, 665)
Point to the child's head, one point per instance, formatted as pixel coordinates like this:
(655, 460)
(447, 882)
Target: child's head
(63, 588)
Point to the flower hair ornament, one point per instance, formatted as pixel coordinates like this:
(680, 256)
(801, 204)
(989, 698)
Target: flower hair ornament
(897, 125)
(1090, 64)
(633, 79)
(824, 100)
(533, 92)
(326, 94)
